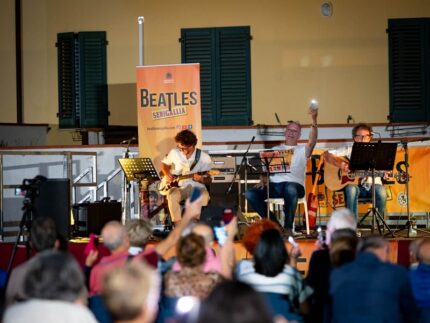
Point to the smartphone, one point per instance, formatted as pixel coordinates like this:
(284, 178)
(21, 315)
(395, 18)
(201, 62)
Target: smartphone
(220, 234)
(93, 244)
(195, 194)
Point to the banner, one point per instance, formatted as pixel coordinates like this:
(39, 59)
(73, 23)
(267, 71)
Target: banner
(168, 101)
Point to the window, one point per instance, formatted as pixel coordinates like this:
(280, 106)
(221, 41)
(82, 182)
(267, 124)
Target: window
(409, 68)
(225, 72)
(82, 80)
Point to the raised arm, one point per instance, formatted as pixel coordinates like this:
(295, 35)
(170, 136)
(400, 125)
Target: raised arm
(313, 133)
(192, 211)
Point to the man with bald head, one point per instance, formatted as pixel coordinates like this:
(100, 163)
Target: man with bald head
(115, 239)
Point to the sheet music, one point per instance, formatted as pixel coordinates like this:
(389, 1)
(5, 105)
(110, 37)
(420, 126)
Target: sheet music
(278, 161)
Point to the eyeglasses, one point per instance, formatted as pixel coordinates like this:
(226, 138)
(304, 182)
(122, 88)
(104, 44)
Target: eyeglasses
(184, 148)
(365, 137)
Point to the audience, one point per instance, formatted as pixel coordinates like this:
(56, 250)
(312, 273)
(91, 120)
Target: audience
(139, 231)
(55, 292)
(131, 293)
(43, 237)
(269, 271)
(234, 302)
(420, 276)
(191, 280)
(320, 265)
(115, 239)
(370, 289)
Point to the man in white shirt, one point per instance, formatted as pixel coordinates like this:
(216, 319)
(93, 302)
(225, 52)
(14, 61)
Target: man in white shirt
(185, 167)
(290, 185)
(361, 133)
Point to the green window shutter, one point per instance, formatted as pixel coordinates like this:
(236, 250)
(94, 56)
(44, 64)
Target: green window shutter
(409, 73)
(234, 74)
(66, 79)
(93, 79)
(198, 47)
(225, 77)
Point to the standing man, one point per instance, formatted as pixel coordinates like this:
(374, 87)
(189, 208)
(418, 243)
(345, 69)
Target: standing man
(185, 167)
(289, 186)
(362, 132)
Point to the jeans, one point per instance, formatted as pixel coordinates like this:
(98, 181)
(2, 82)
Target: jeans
(289, 191)
(352, 192)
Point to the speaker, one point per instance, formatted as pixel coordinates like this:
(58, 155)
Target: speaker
(53, 201)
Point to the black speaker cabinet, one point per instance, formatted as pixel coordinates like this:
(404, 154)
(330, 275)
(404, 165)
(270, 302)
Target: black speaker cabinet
(91, 217)
(53, 201)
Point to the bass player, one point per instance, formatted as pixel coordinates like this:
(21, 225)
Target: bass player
(186, 160)
(362, 132)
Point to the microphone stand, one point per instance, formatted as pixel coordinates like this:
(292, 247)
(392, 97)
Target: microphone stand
(126, 189)
(243, 161)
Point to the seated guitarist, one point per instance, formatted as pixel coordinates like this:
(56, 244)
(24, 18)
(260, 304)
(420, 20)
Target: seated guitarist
(183, 160)
(362, 132)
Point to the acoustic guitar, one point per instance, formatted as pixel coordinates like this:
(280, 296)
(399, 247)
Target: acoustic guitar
(335, 179)
(313, 199)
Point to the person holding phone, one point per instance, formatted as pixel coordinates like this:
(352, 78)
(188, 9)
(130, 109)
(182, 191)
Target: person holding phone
(185, 167)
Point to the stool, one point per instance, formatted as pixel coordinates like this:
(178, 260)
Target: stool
(277, 203)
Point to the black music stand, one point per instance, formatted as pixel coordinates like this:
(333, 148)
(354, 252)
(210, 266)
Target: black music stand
(269, 163)
(373, 157)
(141, 170)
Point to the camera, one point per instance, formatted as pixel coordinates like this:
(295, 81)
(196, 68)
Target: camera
(30, 187)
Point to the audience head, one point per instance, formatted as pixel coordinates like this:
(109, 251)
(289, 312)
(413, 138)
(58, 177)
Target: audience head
(139, 231)
(191, 251)
(55, 275)
(254, 231)
(376, 245)
(131, 293)
(115, 237)
(270, 254)
(414, 247)
(204, 231)
(343, 247)
(341, 218)
(424, 252)
(43, 233)
(234, 301)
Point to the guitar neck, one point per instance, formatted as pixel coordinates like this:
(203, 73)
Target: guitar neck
(365, 173)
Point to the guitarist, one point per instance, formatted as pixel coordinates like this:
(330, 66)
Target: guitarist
(182, 160)
(362, 132)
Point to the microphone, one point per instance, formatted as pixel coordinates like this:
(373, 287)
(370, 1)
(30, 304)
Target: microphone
(128, 141)
(253, 138)
(277, 119)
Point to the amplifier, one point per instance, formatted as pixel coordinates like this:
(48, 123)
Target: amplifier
(224, 164)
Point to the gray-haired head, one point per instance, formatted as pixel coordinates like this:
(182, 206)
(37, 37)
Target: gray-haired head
(341, 218)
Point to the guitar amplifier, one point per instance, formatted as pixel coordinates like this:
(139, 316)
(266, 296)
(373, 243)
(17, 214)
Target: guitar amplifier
(226, 165)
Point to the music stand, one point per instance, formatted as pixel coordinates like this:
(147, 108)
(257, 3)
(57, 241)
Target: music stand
(141, 170)
(269, 163)
(369, 156)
